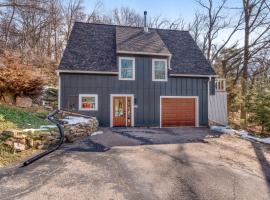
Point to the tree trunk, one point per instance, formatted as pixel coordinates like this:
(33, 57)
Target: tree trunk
(246, 59)
(8, 26)
(262, 131)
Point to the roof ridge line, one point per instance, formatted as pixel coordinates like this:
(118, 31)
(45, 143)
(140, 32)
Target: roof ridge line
(115, 25)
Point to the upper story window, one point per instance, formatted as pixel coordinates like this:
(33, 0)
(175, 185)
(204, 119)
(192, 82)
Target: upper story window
(88, 102)
(159, 70)
(126, 68)
(220, 85)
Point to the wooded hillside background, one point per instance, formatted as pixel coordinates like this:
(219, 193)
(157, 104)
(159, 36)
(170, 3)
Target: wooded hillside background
(235, 40)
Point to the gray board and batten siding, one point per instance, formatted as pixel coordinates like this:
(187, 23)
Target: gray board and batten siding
(146, 92)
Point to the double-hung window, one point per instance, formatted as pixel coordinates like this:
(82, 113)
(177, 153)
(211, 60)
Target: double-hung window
(159, 70)
(126, 68)
(88, 102)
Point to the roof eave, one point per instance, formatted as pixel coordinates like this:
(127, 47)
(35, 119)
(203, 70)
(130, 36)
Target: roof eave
(194, 75)
(85, 72)
(144, 53)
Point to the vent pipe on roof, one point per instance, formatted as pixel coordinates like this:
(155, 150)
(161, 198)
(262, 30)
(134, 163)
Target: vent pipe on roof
(145, 28)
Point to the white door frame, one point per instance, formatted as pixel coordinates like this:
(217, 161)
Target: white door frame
(181, 97)
(132, 107)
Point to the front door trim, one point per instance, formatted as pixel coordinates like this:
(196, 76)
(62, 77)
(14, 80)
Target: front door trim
(111, 107)
(184, 97)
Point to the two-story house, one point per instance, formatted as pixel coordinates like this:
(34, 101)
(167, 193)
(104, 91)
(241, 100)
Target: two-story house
(135, 76)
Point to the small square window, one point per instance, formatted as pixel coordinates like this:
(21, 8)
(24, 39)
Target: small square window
(126, 68)
(159, 70)
(88, 102)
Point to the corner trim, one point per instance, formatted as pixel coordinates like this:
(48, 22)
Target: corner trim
(59, 91)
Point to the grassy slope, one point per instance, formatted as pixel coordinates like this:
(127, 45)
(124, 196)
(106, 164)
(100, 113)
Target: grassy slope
(12, 117)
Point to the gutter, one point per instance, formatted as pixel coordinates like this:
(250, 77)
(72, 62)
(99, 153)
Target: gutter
(85, 72)
(144, 53)
(194, 75)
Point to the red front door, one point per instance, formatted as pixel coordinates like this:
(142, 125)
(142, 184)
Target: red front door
(122, 111)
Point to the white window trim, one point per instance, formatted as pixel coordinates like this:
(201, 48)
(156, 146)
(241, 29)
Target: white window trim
(153, 70)
(88, 95)
(120, 67)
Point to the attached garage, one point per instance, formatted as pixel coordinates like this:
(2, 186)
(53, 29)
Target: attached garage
(178, 111)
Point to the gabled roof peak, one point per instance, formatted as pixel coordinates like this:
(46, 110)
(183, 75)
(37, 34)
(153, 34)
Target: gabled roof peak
(136, 40)
(94, 47)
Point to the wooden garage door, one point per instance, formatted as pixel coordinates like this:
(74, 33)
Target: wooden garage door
(178, 112)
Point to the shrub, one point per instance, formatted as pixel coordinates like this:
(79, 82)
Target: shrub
(19, 80)
(258, 107)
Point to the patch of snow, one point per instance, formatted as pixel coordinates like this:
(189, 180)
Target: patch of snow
(242, 133)
(71, 120)
(48, 126)
(41, 128)
(97, 133)
(32, 130)
(223, 129)
(246, 135)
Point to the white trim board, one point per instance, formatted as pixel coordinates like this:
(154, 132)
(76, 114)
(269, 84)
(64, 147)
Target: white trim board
(59, 91)
(85, 72)
(111, 107)
(143, 53)
(181, 97)
(193, 75)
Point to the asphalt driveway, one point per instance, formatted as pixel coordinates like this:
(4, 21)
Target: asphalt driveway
(146, 164)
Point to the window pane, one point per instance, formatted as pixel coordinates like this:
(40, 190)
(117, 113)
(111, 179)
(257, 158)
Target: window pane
(118, 109)
(88, 103)
(126, 68)
(160, 72)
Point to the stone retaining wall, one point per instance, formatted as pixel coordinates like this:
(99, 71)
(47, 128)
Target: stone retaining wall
(20, 140)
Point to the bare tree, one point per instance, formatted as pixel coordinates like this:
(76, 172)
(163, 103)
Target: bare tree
(213, 21)
(196, 27)
(163, 23)
(72, 12)
(126, 16)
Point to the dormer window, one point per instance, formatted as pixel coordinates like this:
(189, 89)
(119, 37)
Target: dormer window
(126, 68)
(159, 70)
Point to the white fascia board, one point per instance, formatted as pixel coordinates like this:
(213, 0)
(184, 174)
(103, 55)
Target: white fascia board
(144, 53)
(85, 72)
(193, 75)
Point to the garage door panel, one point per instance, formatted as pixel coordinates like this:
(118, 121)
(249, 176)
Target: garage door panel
(178, 112)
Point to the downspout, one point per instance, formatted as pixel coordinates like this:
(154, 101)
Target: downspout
(169, 62)
(59, 91)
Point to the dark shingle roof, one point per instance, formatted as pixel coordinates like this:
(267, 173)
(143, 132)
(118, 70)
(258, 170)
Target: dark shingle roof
(93, 47)
(130, 39)
(187, 58)
(90, 47)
